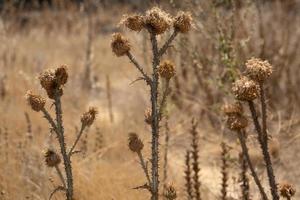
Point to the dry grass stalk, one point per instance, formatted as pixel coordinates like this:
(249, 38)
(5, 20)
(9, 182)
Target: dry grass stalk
(53, 81)
(155, 22)
(195, 162)
(166, 149)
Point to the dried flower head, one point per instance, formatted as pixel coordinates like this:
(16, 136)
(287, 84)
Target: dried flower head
(119, 44)
(170, 193)
(61, 75)
(287, 190)
(47, 79)
(36, 102)
(52, 159)
(133, 22)
(234, 108)
(157, 20)
(148, 116)
(166, 69)
(183, 22)
(258, 70)
(245, 89)
(89, 117)
(135, 143)
(237, 122)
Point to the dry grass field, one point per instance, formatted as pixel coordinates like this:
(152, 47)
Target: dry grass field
(209, 59)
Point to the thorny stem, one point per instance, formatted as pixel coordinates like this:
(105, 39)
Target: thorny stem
(139, 67)
(263, 111)
(50, 120)
(266, 155)
(241, 136)
(195, 163)
(224, 171)
(167, 44)
(77, 139)
(60, 175)
(188, 174)
(61, 139)
(155, 118)
(145, 168)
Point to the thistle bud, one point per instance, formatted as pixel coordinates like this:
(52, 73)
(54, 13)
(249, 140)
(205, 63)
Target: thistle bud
(89, 117)
(157, 20)
(36, 102)
(287, 190)
(166, 69)
(133, 22)
(135, 143)
(183, 22)
(237, 122)
(170, 193)
(148, 116)
(119, 44)
(258, 70)
(245, 89)
(47, 79)
(234, 108)
(61, 75)
(52, 159)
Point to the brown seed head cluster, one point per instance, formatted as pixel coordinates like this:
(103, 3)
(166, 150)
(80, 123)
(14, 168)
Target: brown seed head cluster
(235, 108)
(52, 159)
(286, 190)
(133, 22)
(53, 81)
(170, 193)
(148, 116)
(258, 70)
(183, 22)
(166, 69)
(119, 44)
(36, 102)
(157, 20)
(135, 143)
(89, 117)
(237, 122)
(245, 89)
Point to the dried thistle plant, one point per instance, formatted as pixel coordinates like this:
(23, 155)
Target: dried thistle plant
(53, 82)
(155, 22)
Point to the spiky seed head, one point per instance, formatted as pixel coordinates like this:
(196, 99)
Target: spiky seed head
(89, 117)
(133, 22)
(148, 116)
(183, 22)
(170, 193)
(233, 108)
(258, 70)
(52, 159)
(157, 20)
(287, 190)
(61, 75)
(237, 122)
(47, 79)
(119, 44)
(245, 89)
(166, 69)
(36, 102)
(135, 144)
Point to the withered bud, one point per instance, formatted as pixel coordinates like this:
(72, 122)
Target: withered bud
(61, 75)
(237, 122)
(157, 20)
(287, 190)
(148, 116)
(166, 69)
(52, 159)
(170, 193)
(183, 22)
(234, 108)
(245, 89)
(133, 22)
(258, 70)
(135, 143)
(89, 117)
(36, 102)
(119, 44)
(47, 79)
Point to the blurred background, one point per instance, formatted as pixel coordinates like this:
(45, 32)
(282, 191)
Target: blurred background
(39, 34)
